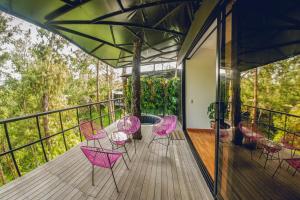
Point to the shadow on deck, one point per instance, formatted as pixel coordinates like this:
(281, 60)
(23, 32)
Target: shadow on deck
(152, 175)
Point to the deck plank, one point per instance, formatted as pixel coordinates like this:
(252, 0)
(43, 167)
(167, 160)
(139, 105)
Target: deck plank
(152, 175)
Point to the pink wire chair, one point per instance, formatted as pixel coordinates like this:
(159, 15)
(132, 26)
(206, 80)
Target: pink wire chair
(87, 128)
(102, 158)
(293, 162)
(251, 134)
(163, 130)
(130, 125)
(171, 121)
(291, 141)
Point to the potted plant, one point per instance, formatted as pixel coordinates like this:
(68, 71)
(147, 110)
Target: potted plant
(211, 110)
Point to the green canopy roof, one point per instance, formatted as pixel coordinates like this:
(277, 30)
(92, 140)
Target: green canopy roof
(106, 28)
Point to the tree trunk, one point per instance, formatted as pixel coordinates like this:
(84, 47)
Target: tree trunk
(136, 83)
(255, 97)
(111, 107)
(45, 105)
(9, 162)
(2, 177)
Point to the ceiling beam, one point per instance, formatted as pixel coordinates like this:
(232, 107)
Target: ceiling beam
(165, 40)
(137, 36)
(160, 54)
(70, 2)
(145, 63)
(134, 25)
(70, 5)
(176, 9)
(96, 48)
(169, 47)
(137, 7)
(127, 24)
(112, 34)
(157, 56)
(121, 5)
(89, 37)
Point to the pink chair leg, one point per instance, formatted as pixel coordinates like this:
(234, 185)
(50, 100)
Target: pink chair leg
(127, 153)
(279, 166)
(168, 145)
(114, 180)
(93, 169)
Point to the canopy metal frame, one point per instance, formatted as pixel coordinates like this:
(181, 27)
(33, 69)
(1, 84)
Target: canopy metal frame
(161, 23)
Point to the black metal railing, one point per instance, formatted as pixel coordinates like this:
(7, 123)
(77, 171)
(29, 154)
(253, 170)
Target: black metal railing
(92, 111)
(272, 122)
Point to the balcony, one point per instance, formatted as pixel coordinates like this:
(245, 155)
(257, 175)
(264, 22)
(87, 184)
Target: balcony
(152, 173)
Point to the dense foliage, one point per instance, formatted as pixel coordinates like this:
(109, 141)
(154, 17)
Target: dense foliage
(39, 72)
(278, 88)
(158, 95)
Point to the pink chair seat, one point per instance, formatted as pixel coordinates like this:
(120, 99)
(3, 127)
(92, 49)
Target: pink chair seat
(99, 135)
(294, 162)
(171, 122)
(272, 149)
(160, 133)
(291, 147)
(119, 142)
(88, 128)
(129, 124)
(224, 133)
(101, 158)
(291, 143)
(250, 134)
(163, 129)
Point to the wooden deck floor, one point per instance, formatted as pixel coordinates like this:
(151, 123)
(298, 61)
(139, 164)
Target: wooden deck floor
(152, 175)
(204, 142)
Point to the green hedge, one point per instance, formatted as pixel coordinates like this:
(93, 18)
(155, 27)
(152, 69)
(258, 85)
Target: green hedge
(158, 95)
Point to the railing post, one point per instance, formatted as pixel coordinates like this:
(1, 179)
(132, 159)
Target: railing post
(78, 122)
(10, 149)
(285, 121)
(114, 106)
(62, 130)
(109, 121)
(40, 137)
(269, 132)
(90, 108)
(124, 107)
(100, 116)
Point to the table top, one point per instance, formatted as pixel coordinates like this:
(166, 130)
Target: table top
(118, 136)
(271, 144)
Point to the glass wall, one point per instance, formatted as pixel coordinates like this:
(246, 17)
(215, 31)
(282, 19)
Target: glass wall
(259, 101)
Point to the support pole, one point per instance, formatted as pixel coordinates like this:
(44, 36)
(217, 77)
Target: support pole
(236, 107)
(136, 82)
(255, 100)
(236, 81)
